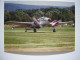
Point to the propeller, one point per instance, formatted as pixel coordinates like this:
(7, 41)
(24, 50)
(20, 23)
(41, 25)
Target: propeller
(49, 20)
(36, 22)
(54, 23)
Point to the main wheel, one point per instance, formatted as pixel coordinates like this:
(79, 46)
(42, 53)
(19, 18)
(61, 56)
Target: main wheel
(54, 29)
(34, 29)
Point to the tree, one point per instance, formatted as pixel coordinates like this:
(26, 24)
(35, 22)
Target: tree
(66, 14)
(7, 16)
(21, 16)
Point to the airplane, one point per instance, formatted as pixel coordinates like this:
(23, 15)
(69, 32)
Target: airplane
(38, 23)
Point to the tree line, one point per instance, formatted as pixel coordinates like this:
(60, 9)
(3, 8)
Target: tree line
(66, 14)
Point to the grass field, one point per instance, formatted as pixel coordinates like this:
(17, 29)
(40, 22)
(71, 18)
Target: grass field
(44, 40)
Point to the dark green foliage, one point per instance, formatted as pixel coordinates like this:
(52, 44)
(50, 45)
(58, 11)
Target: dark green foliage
(66, 14)
(7, 16)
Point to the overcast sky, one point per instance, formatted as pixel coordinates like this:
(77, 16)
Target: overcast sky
(48, 3)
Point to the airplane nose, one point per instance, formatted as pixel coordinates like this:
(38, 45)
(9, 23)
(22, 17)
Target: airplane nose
(55, 21)
(49, 20)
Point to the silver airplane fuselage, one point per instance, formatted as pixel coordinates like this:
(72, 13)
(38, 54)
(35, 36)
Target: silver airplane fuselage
(41, 22)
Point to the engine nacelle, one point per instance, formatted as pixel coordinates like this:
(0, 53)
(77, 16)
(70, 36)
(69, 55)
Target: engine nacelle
(54, 23)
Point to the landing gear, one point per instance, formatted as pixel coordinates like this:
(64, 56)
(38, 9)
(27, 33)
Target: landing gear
(54, 29)
(28, 28)
(34, 29)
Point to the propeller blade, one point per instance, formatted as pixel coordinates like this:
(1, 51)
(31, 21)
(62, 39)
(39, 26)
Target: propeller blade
(37, 21)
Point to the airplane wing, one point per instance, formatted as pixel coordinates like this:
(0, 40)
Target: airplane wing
(19, 23)
(61, 23)
(57, 23)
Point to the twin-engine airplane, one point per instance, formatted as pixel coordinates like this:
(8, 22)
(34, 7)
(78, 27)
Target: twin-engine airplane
(38, 23)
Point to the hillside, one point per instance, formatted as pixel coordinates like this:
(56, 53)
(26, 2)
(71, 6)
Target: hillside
(13, 7)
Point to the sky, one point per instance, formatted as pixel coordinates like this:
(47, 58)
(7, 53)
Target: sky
(45, 3)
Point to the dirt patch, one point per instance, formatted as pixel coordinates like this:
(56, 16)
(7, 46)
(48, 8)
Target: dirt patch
(49, 49)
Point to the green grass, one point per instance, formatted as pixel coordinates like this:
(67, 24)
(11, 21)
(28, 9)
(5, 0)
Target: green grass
(43, 35)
